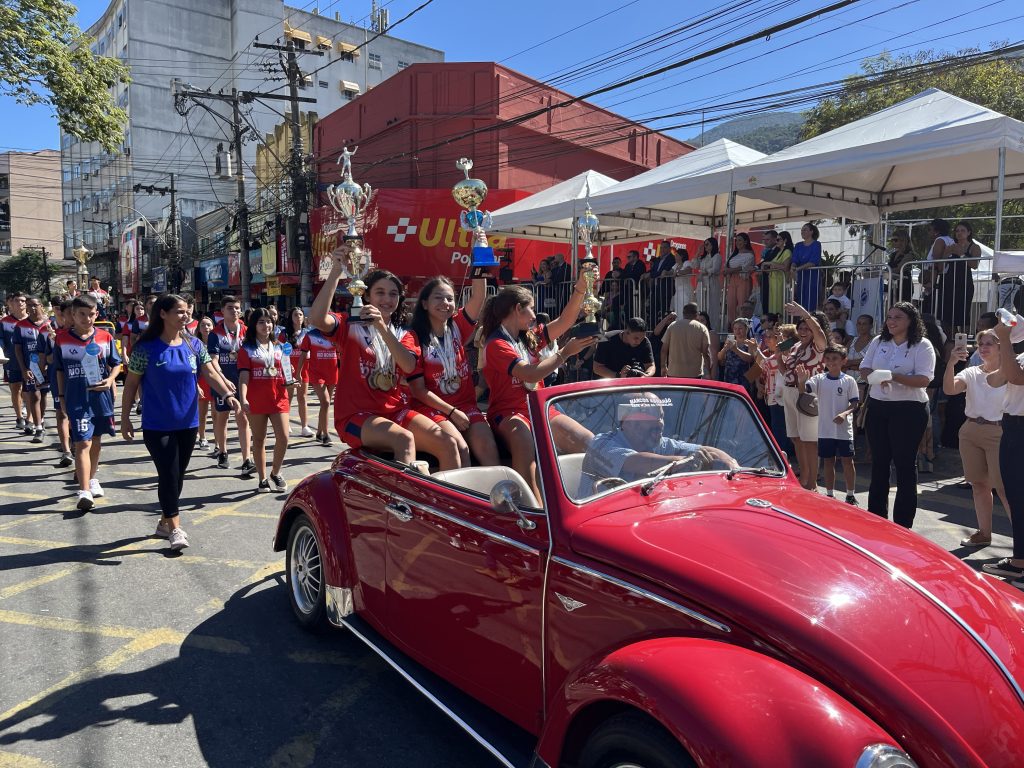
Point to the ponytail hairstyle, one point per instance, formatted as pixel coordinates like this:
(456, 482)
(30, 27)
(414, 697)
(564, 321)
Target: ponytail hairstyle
(420, 323)
(255, 315)
(164, 303)
(500, 306)
(398, 316)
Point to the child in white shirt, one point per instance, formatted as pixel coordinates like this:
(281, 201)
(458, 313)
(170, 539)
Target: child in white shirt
(838, 398)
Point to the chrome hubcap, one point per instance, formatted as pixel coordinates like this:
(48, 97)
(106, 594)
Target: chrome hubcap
(306, 574)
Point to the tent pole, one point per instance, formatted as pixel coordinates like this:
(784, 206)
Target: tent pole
(1000, 191)
(730, 234)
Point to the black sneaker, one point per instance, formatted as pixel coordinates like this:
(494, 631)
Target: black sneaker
(851, 499)
(1003, 568)
(138, 409)
(65, 460)
(248, 467)
(263, 487)
(326, 440)
(222, 460)
(279, 483)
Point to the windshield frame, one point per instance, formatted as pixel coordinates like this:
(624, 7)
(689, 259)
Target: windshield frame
(638, 384)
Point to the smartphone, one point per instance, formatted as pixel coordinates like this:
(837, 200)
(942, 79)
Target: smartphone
(731, 337)
(787, 344)
(960, 340)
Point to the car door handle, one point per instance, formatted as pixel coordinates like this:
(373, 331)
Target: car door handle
(400, 510)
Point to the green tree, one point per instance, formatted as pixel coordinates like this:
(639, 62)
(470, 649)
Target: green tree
(886, 80)
(45, 59)
(27, 272)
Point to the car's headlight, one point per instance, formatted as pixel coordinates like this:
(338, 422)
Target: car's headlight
(884, 756)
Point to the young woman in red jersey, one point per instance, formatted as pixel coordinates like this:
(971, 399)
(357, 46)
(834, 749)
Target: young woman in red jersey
(264, 395)
(442, 382)
(292, 334)
(512, 366)
(320, 362)
(371, 408)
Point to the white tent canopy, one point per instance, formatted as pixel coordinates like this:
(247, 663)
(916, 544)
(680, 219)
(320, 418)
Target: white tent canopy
(930, 150)
(693, 190)
(549, 215)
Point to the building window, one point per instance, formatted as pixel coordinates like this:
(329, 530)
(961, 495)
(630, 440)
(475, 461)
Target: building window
(347, 57)
(403, 64)
(322, 83)
(348, 95)
(375, 62)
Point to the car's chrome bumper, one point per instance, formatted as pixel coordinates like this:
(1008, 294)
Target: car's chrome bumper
(339, 604)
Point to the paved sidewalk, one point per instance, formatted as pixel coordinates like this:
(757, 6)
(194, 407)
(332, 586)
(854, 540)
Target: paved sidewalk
(117, 652)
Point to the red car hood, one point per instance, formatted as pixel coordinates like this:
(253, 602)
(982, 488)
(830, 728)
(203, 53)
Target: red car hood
(898, 653)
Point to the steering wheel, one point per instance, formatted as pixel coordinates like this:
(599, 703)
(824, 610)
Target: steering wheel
(609, 481)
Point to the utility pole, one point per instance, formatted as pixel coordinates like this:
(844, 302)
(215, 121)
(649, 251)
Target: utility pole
(181, 93)
(171, 240)
(300, 195)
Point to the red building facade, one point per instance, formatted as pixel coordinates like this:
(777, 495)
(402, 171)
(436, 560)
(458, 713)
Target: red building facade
(413, 127)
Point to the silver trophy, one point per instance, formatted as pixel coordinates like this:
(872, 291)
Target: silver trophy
(350, 201)
(470, 194)
(587, 232)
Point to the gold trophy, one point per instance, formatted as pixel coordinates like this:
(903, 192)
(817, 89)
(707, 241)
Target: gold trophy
(470, 194)
(350, 200)
(588, 230)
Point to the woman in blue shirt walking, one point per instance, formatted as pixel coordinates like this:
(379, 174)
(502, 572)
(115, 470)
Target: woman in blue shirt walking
(165, 362)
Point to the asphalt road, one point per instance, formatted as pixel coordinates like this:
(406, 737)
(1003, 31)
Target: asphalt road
(114, 651)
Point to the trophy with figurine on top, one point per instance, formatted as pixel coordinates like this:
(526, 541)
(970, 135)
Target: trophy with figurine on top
(350, 200)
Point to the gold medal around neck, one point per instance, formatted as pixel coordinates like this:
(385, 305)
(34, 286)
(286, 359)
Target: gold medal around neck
(271, 371)
(450, 385)
(232, 356)
(382, 380)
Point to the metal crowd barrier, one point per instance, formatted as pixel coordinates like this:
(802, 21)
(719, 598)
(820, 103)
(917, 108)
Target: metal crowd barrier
(948, 290)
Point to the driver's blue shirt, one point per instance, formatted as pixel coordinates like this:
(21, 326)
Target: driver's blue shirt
(608, 452)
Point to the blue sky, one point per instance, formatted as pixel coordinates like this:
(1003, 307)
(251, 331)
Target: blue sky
(544, 40)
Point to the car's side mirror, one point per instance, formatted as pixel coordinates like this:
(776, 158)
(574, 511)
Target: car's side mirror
(506, 496)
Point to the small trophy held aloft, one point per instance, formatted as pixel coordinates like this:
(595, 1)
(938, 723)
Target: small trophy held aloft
(588, 230)
(350, 201)
(470, 194)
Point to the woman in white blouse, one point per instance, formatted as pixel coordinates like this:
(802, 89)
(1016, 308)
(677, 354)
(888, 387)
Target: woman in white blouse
(898, 412)
(981, 432)
(1011, 447)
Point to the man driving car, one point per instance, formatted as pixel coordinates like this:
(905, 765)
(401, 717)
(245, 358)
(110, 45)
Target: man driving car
(638, 447)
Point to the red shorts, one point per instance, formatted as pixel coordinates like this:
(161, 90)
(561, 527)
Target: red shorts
(350, 428)
(304, 376)
(322, 373)
(204, 389)
(496, 418)
(268, 397)
(476, 416)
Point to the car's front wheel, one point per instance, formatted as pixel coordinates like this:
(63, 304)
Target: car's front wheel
(305, 573)
(633, 740)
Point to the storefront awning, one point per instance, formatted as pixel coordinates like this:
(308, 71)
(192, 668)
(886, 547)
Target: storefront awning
(348, 48)
(348, 85)
(324, 42)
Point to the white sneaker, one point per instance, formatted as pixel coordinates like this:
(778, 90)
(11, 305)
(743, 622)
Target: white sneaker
(178, 539)
(85, 502)
(162, 530)
(306, 432)
(95, 488)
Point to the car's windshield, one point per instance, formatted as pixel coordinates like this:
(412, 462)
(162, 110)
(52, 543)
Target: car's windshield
(650, 431)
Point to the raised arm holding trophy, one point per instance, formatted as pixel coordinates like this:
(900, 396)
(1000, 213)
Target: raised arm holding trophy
(351, 200)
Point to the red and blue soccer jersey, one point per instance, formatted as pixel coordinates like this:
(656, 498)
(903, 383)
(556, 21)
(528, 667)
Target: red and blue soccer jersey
(7, 324)
(356, 394)
(266, 391)
(503, 353)
(223, 346)
(33, 338)
(322, 363)
(430, 365)
(69, 353)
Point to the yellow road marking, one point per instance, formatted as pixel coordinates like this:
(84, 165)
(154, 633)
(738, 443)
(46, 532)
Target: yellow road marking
(217, 603)
(127, 550)
(144, 642)
(17, 589)
(67, 625)
(28, 496)
(25, 519)
(11, 760)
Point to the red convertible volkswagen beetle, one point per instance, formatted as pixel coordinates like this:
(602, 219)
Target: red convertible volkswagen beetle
(673, 599)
